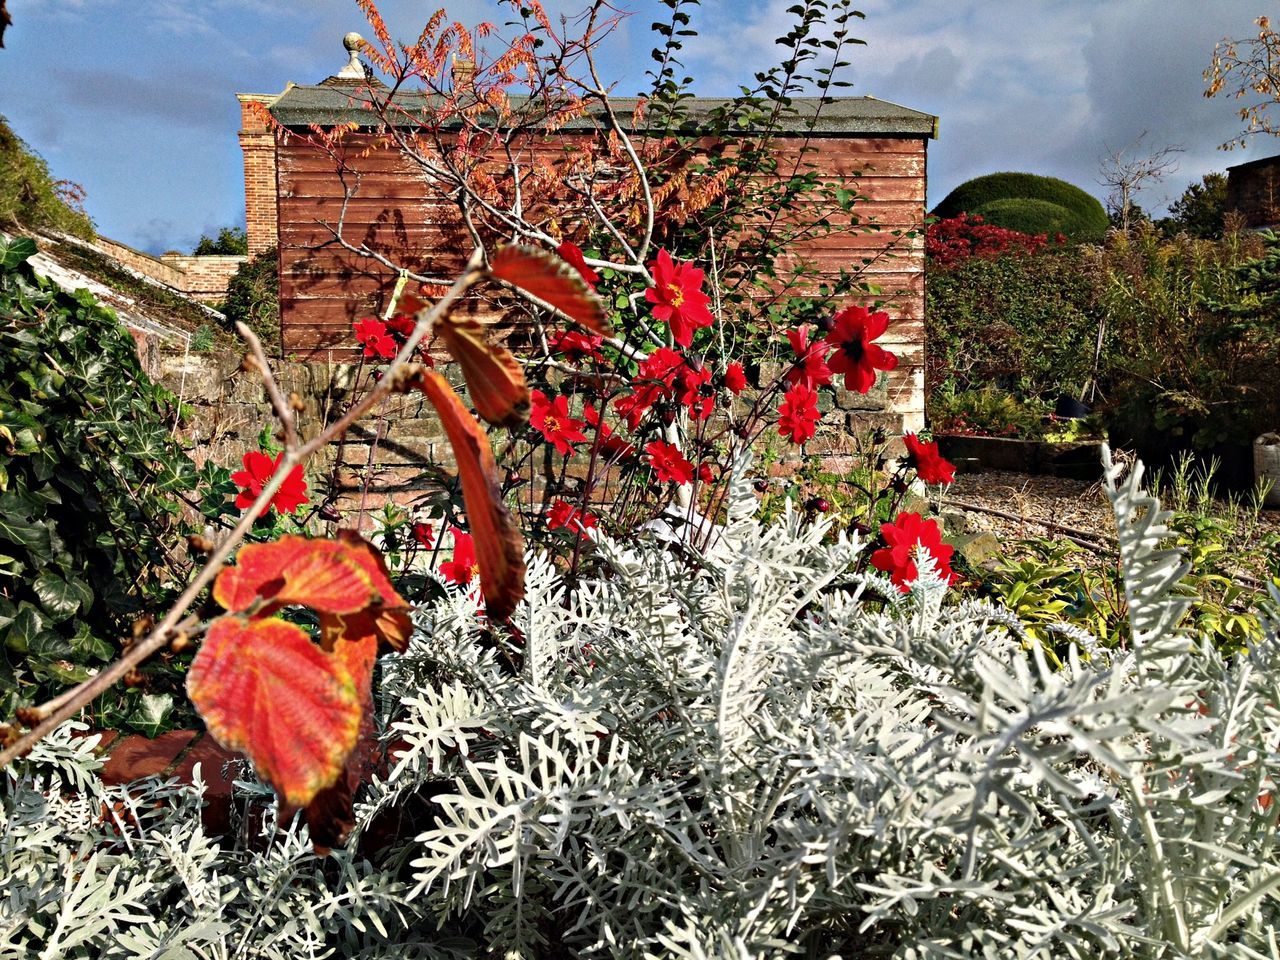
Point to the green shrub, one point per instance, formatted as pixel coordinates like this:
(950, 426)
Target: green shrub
(1087, 219)
(253, 298)
(90, 523)
(29, 195)
(233, 241)
(1029, 216)
(1194, 350)
(1022, 324)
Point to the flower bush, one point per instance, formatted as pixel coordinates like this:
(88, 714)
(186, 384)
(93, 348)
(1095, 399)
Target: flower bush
(756, 752)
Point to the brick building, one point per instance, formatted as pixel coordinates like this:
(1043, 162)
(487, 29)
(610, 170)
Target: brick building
(293, 194)
(1253, 191)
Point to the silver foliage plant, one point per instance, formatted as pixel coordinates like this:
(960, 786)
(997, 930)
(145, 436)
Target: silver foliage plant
(731, 754)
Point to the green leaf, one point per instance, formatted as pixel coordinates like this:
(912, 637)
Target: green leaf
(152, 713)
(60, 597)
(17, 252)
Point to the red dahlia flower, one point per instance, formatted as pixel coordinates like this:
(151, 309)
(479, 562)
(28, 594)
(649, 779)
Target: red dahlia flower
(735, 378)
(258, 471)
(571, 254)
(654, 381)
(464, 566)
(905, 538)
(929, 464)
(610, 445)
(577, 347)
(563, 515)
(798, 414)
(854, 354)
(401, 325)
(677, 297)
(372, 334)
(669, 462)
(424, 535)
(551, 418)
(811, 359)
(696, 392)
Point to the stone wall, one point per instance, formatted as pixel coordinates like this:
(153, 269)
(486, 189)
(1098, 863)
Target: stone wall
(204, 278)
(399, 446)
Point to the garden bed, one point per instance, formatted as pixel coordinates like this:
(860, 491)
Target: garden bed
(1078, 460)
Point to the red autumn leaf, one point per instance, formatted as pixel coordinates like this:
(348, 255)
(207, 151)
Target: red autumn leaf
(499, 550)
(264, 688)
(385, 618)
(547, 277)
(494, 378)
(319, 574)
(330, 814)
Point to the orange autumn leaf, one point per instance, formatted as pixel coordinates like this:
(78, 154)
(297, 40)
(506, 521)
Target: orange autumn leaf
(386, 618)
(295, 570)
(494, 378)
(264, 688)
(499, 550)
(551, 280)
(330, 814)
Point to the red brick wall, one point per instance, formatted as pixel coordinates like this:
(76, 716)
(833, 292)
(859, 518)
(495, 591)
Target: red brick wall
(259, 147)
(204, 277)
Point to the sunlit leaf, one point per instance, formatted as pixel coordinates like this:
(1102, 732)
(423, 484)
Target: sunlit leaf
(551, 280)
(495, 381)
(499, 550)
(320, 574)
(264, 688)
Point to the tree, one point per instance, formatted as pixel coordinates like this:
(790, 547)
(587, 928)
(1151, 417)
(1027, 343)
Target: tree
(1126, 171)
(230, 241)
(1200, 211)
(1249, 70)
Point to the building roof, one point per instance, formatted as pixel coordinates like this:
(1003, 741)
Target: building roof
(328, 104)
(1260, 162)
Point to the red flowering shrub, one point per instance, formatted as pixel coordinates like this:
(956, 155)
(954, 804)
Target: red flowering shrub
(854, 354)
(928, 463)
(905, 537)
(952, 241)
(258, 471)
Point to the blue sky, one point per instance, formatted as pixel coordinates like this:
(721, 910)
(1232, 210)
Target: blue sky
(134, 99)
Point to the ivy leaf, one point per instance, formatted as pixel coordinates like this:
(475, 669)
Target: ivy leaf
(61, 597)
(545, 276)
(265, 689)
(16, 252)
(151, 715)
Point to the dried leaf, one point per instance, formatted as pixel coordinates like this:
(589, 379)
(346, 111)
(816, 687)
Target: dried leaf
(499, 550)
(551, 280)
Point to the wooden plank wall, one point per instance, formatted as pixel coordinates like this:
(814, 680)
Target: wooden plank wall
(324, 288)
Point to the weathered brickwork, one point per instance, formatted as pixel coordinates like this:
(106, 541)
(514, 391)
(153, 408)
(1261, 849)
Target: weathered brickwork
(259, 147)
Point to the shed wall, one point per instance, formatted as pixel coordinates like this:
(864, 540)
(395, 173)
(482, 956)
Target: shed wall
(324, 288)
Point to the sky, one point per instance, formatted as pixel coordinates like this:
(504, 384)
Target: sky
(135, 99)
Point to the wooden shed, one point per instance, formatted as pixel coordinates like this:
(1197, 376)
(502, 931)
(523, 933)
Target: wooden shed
(294, 195)
(1253, 191)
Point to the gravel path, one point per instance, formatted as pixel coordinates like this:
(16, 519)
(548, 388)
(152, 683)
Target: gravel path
(1072, 503)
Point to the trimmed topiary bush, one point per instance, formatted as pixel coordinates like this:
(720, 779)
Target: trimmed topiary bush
(1030, 216)
(1086, 218)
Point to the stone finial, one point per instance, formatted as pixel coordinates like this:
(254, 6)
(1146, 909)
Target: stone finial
(354, 70)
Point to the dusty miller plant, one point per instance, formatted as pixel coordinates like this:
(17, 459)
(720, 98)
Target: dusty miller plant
(734, 753)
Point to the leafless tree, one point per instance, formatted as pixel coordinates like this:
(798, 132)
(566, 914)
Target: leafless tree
(1128, 169)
